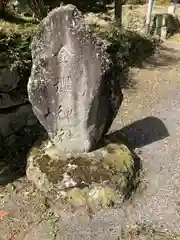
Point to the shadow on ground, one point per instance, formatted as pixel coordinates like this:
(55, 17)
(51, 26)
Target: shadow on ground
(143, 132)
(165, 57)
(14, 150)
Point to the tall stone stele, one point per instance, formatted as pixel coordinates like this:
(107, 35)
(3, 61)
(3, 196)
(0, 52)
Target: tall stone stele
(72, 88)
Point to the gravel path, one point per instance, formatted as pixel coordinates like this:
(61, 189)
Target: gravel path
(160, 203)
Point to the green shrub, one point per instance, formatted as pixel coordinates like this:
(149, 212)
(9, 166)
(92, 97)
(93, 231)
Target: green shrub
(127, 48)
(15, 51)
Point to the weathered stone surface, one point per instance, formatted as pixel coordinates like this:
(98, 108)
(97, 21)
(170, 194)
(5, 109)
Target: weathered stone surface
(91, 181)
(12, 122)
(8, 80)
(72, 88)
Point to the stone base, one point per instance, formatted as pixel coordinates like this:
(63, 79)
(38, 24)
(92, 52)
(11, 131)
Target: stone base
(91, 181)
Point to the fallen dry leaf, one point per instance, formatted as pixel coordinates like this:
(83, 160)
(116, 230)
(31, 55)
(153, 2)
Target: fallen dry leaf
(3, 213)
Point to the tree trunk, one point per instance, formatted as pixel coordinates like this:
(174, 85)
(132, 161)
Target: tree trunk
(118, 11)
(3, 4)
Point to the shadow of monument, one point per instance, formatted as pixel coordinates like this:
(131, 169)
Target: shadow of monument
(142, 132)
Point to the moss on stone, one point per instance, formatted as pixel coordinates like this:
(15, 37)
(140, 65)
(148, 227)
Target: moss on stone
(118, 158)
(101, 197)
(77, 197)
(117, 161)
(53, 170)
(84, 180)
(89, 171)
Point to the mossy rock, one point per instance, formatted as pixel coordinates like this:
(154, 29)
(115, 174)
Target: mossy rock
(95, 180)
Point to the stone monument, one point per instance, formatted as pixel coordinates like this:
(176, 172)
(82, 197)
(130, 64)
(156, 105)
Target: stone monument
(72, 88)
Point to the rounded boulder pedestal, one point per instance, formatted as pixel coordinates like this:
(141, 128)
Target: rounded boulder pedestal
(91, 181)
